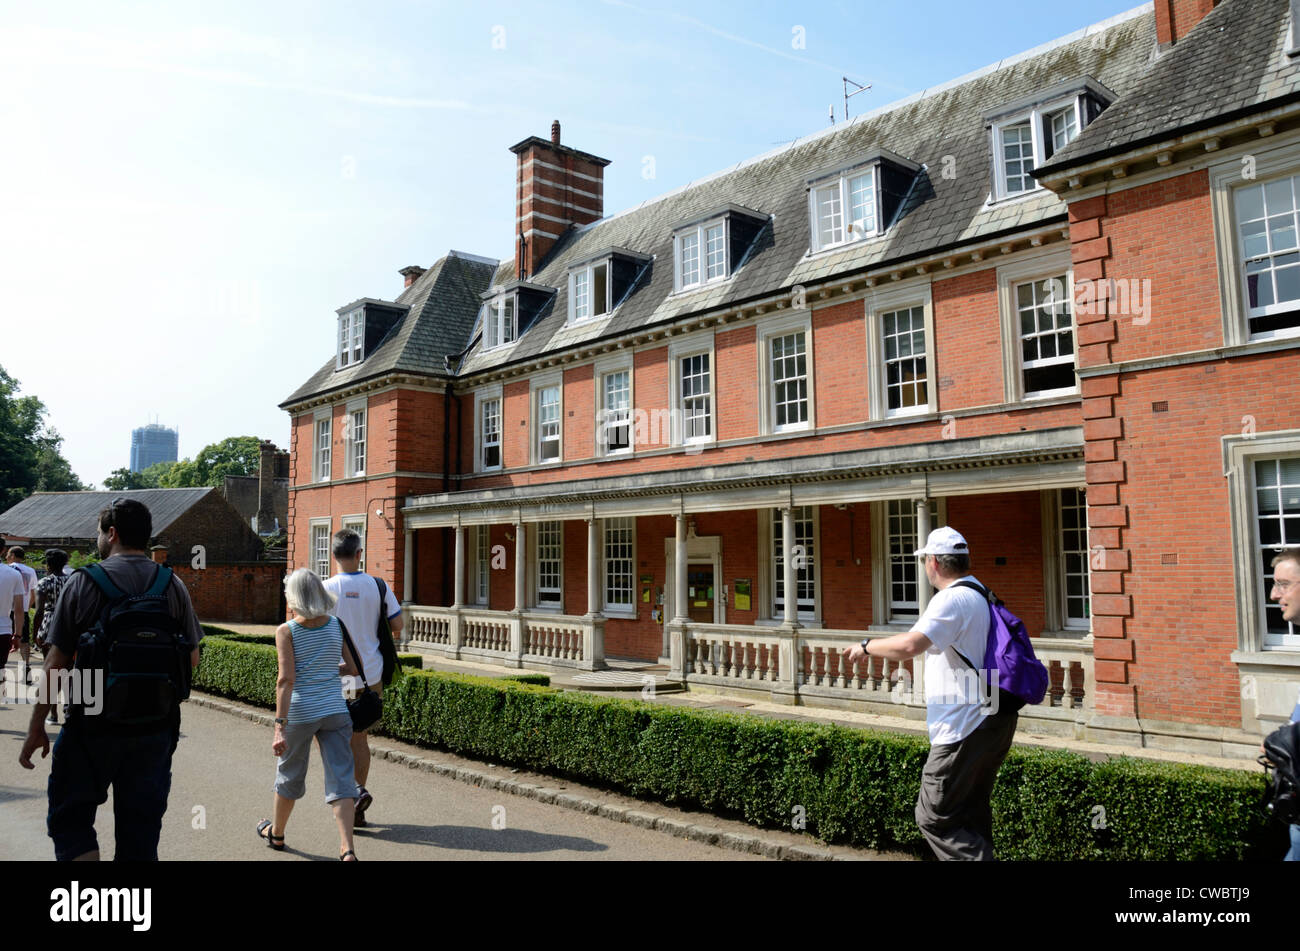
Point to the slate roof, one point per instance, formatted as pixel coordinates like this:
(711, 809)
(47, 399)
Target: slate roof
(444, 303)
(76, 514)
(1234, 61)
(939, 213)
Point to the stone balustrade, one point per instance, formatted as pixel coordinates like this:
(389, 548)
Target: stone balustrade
(508, 637)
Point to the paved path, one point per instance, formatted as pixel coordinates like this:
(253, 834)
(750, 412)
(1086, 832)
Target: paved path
(222, 776)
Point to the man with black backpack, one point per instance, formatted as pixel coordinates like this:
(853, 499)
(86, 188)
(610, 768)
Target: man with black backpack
(970, 725)
(129, 627)
(369, 611)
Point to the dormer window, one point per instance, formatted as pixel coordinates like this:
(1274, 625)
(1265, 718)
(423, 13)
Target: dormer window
(589, 291)
(857, 201)
(352, 335)
(499, 321)
(701, 255)
(711, 248)
(600, 282)
(1028, 133)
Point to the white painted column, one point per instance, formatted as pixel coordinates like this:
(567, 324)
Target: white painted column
(593, 566)
(923, 589)
(521, 566)
(458, 580)
(679, 572)
(923, 592)
(408, 569)
(787, 563)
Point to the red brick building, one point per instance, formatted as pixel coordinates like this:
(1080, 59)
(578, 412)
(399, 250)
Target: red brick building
(1030, 303)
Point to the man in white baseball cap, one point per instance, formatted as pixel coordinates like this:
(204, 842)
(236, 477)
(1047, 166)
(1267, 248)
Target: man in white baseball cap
(968, 740)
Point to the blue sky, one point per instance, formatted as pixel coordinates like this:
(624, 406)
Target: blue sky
(190, 190)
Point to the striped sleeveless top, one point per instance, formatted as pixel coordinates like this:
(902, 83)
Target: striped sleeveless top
(317, 691)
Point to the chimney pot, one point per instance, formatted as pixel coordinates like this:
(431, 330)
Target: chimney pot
(555, 132)
(411, 273)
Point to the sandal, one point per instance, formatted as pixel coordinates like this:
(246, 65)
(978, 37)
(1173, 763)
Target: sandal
(344, 856)
(265, 827)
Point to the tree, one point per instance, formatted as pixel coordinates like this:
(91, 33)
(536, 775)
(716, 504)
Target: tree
(30, 457)
(234, 455)
(123, 480)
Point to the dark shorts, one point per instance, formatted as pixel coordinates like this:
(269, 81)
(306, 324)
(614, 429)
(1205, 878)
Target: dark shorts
(27, 628)
(85, 764)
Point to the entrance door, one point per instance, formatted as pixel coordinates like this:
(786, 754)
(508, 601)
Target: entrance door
(699, 592)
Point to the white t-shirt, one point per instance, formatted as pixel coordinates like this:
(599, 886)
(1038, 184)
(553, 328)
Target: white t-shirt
(956, 618)
(11, 583)
(358, 608)
(29, 582)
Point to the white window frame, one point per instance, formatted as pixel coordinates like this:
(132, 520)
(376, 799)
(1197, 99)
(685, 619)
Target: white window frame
(617, 609)
(1036, 268)
(322, 458)
(1225, 179)
(482, 396)
(587, 273)
(1055, 589)
(700, 231)
(877, 306)
(882, 609)
(494, 336)
(766, 591)
(849, 230)
(352, 338)
(358, 524)
(781, 327)
(1036, 117)
(602, 369)
(481, 540)
(535, 573)
(352, 446)
(679, 350)
(536, 386)
(1240, 453)
(316, 526)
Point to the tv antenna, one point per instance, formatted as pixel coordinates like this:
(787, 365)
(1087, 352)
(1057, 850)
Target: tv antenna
(849, 95)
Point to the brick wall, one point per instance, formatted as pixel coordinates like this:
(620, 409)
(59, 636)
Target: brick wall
(249, 593)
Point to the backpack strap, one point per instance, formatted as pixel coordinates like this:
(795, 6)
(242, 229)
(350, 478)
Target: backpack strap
(162, 577)
(99, 576)
(989, 597)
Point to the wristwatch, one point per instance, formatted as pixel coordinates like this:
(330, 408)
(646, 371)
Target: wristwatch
(865, 642)
(281, 721)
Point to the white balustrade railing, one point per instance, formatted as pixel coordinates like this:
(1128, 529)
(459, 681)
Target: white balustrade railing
(811, 662)
(554, 637)
(507, 637)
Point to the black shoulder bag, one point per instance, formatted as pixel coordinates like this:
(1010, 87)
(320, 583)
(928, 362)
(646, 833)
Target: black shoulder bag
(367, 708)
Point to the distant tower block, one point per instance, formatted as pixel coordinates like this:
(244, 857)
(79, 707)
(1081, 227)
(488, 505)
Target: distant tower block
(152, 444)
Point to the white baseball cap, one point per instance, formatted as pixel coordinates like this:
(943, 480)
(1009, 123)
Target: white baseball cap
(944, 541)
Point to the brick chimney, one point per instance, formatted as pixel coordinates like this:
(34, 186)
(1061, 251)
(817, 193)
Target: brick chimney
(557, 187)
(1175, 18)
(411, 273)
(264, 522)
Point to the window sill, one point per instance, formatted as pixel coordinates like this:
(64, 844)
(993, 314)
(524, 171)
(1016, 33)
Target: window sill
(1049, 394)
(1035, 192)
(829, 249)
(696, 288)
(621, 614)
(808, 622)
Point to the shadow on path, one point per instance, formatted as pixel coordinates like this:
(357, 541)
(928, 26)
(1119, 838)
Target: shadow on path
(472, 839)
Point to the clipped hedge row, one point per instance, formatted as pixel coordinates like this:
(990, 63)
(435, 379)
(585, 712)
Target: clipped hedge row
(851, 786)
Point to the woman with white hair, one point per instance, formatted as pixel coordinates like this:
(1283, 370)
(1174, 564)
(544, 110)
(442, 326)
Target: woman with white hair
(309, 703)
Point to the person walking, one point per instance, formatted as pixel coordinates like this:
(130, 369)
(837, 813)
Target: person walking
(367, 606)
(47, 596)
(96, 748)
(11, 606)
(312, 654)
(1286, 592)
(16, 557)
(969, 735)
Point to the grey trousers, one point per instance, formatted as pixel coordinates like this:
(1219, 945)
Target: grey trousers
(954, 810)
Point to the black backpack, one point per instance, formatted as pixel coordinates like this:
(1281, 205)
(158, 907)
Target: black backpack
(1280, 760)
(143, 653)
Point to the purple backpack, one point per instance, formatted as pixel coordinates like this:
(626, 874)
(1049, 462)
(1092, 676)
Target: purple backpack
(1022, 678)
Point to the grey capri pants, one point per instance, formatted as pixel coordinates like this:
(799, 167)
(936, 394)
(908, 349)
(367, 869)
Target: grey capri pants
(335, 735)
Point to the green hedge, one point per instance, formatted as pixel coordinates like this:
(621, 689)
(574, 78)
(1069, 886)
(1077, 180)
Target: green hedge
(853, 786)
(211, 630)
(540, 680)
